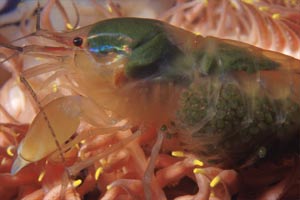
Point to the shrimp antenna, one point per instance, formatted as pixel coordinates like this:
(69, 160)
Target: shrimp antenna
(37, 25)
(9, 57)
(38, 32)
(38, 17)
(77, 15)
(12, 47)
(66, 17)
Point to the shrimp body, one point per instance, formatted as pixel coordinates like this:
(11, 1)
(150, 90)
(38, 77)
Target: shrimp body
(228, 102)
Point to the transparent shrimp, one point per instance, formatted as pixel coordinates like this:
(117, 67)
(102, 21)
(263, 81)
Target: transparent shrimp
(230, 103)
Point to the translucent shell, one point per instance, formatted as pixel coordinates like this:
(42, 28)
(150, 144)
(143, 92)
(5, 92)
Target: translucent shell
(63, 116)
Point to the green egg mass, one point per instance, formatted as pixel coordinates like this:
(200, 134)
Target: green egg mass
(234, 126)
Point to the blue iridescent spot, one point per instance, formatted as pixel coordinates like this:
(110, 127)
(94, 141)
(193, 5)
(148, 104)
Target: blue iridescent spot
(109, 48)
(102, 49)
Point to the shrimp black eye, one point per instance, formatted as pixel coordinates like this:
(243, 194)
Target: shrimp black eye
(77, 41)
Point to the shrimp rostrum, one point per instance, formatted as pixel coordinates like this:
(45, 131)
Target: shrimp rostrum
(230, 103)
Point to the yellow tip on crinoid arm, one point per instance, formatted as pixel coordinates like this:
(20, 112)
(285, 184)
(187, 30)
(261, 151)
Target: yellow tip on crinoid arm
(9, 150)
(41, 176)
(103, 162)
(76, 183)
(109, 8)
(69, 26)
(276, 16)
(98, 172)
(54, 88)
(177, 153)
(108, 187)
(198, 171)
(215, 181)
(198, 163)
(291, 2)
(248, 1)
(263, 8)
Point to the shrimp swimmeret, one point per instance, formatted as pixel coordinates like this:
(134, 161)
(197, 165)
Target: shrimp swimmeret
(229, 103)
